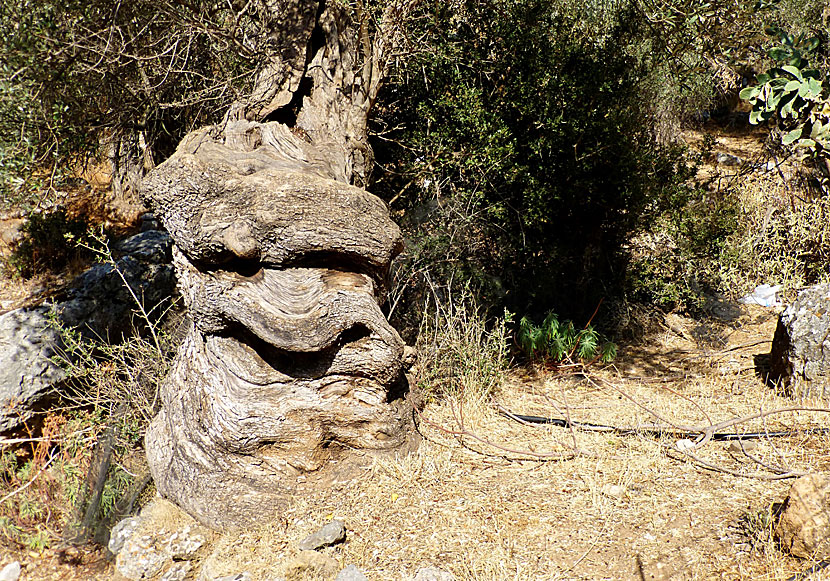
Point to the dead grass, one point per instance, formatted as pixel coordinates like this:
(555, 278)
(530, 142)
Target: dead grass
(628, 502)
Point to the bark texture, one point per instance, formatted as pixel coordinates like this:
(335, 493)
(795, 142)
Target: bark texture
(290, 372)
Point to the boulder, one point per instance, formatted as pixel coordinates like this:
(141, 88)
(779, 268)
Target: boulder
(800, 358)
(29, 376)
(98, 304)
(804, 527)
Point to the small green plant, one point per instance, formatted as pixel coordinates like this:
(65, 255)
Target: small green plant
(557, 341)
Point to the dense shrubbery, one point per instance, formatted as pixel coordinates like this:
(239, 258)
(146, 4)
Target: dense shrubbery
(526, 150)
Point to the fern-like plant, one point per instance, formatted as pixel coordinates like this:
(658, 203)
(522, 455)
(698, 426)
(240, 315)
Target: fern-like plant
(556, 341)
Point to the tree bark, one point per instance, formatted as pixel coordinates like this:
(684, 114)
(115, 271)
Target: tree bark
(290, 368)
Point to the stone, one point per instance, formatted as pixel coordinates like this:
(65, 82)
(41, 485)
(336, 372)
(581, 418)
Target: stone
(123, 530)
(100, 305)
(800, 357)
(184, 544)
(141, 557)
(433, 574)
(311, 565)
(330, 534)
(177, 572)
(10, 572)
(351, 573)
(244, 576)
(741, 446)
(29, 378)
(804, 527)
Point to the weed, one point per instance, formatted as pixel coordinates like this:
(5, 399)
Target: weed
(460, 354)
(556, 341)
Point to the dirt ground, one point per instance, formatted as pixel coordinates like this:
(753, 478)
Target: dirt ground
(489, 504)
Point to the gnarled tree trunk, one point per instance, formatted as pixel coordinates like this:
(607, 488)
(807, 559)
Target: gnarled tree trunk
(290, 368)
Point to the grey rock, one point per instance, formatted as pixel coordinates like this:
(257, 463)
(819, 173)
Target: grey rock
(177, 572)
(804, 527)
(351, 573)
(330, 534)
(28, 376)
(10, 572)
(244, 576)
(727, 159)
(433, 574)
(121, 532)
(150, 246)
(99, 303)
(184, 544)
(142, 557)
(312, 565)
(800, 357)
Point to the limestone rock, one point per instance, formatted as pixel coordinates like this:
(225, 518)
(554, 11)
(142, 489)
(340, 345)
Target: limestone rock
(351, 573)
(330, 534)
(177, 572)
(433, 574)
(141, 557)
(101, 306)
(123, 530)
(800, 356)
(29, 378)
(804, 528)
(10, 572)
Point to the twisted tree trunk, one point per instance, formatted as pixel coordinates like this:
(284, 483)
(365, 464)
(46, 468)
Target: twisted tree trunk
(290, 368)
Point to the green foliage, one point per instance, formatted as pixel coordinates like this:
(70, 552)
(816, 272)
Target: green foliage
(556, 341)
(794, 96)
(521, 150)
(49, 243)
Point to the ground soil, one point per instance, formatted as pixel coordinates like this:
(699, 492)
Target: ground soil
(487, 497)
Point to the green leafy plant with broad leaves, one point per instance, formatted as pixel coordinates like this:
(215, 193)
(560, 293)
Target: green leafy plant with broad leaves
(794, 96)
(556, 341)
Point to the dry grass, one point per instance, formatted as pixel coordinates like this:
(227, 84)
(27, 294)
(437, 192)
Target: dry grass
(485, 514)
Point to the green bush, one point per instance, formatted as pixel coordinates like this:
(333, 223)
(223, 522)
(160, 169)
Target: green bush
(522, 153)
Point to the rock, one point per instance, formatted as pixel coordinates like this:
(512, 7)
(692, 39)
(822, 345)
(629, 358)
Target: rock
(433, 574)
(28, 376)
(613, 490)
(351, 573)
(141, 557)
(311, 565)
(244, 576)
(330, 534)
(728, 159)
(10, 572)
(804, 527)
(121, 532)
(800, 357)
(150, 246)
(177, 572)
(99, 303)
(184, 544)
(741, 446)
